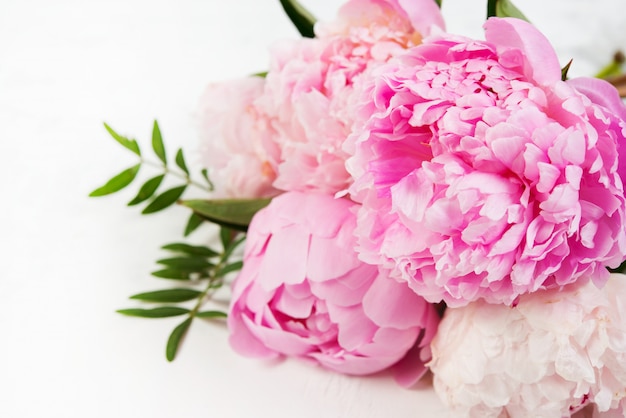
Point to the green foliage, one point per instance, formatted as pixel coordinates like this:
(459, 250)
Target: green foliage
(614, 68)
(301, 18)
(118, 182)
(168, 295)
(565, 70)
(176, 338)
(165, 199)
(130, 144)
(438, 3)
(157, 143)
(160, 312)
(198, 270)
(193, 223)
(201, 270)
(180, 161)
(149, 190)
(233, 213)
(504, 8)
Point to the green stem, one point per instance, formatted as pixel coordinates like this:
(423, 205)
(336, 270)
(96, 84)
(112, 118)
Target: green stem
(182, 176)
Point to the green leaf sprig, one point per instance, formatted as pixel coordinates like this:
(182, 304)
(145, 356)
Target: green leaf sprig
(201, 271)
(148, 190)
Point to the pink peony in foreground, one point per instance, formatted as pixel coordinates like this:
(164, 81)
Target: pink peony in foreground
(482, 175)
(552, 354)
(235, 141)
(302, 292)
(311, 82)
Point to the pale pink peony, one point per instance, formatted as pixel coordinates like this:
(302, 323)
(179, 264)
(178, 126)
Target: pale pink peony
(302, 292)
(310, 84)
(554, 352)
(482, 174)
(235, 141)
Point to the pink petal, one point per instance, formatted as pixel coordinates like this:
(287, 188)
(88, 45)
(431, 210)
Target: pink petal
(542, 63)
(407, 309)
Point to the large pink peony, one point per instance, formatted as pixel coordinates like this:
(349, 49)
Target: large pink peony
(555, 352)
(482, 174)
(310, 85)
(235, 140)
(302, 292)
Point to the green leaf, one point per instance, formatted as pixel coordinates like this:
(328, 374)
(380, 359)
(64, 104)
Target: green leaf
(211, 314)
(118, 182)
(191, 264)
(193, 223)
(172, 274)
(226, 237)
(147, 190)
(614, 68)
(164, 200)
(230, 268)
(438, 3)
(205, 174)
(180, 247)
(161, 312)
(302, 19)
(173, 342)
(157, 143)
(130, 144)
(565, 70)
(168, 295)
(232, 246)
(261, 74)
(180, 161)
(504, 8)
(235, 213)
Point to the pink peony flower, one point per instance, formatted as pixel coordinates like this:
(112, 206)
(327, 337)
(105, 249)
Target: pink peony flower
(552, 354)
(302, 292)
(235, 141)
(310, 85)
(483, 175)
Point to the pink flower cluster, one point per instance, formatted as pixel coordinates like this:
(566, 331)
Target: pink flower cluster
(482, 174)
(414, 167)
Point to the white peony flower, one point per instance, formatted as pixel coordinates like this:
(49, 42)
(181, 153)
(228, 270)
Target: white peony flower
(549, 356)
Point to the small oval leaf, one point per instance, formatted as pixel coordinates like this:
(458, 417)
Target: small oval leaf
(180, 161)
(172, 274)
(157, 142)
(193, 223)
(205, 174)
(177, 335)
(229, 268)
(161, 312)
(190, 264)
(301, 18)
(180, 247)
(164, 200)
(130, 144)
(118, 182)
(211, 314)
(230, 212)
(168, 295)
(147, 190)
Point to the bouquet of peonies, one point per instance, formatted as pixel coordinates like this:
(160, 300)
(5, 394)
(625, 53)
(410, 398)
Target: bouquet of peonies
(415, 200)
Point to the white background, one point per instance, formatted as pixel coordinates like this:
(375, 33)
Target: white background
(67, 261)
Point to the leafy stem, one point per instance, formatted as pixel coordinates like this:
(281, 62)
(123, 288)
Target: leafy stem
(181, 175)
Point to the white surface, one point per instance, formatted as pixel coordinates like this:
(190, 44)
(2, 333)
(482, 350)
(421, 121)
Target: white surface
(68, 261)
